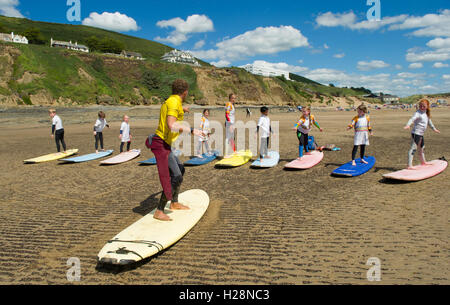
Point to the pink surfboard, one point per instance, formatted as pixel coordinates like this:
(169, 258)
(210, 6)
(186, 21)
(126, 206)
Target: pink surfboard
(308, 161)
(419, 172)
(123, 157)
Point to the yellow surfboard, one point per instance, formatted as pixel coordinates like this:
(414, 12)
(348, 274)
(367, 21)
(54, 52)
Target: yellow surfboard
(238, 159)
(52, 157)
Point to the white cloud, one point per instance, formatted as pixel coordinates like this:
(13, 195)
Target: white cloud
(375, 25)
(9, 8)
(199, 44)
(193, 24)
(330, 19)
(349, 20)
(111, 21)
(267, 40)
(411, 75)
(221, 63)
(439, 65)
(374, 64)
(326, 47)
(342, 55)
(280, 66)
(433, 25)
(439, 43)
(402, 84)
(429, 89)
(437, 55)
(446, 76)
(416, 65)
(398, 67)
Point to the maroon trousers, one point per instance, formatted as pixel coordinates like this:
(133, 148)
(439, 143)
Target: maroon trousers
(161, 150)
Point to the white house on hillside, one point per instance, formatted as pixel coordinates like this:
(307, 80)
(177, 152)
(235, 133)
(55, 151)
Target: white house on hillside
(180, 57)
(265, 71)
(13, 38)
(68, 45)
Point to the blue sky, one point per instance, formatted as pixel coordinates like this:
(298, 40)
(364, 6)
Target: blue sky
(330, 41)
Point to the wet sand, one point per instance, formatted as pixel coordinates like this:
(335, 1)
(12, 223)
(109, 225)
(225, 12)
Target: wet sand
(263, 226)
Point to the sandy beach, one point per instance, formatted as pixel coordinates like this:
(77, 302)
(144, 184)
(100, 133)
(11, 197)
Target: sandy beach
(262, 227)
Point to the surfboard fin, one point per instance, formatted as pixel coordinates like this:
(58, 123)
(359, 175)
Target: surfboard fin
(443, 159)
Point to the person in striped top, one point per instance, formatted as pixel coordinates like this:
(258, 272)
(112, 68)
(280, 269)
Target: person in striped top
(230, 111)
(203, 140)
(303, 128)
(362, 125)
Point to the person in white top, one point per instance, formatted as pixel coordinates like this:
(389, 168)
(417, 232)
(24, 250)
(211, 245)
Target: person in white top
(203, 140)
(421, 120)
(230, 112)
(264, 128)
(57, 130)
(125, 135)
(100, 124)
(363, 129)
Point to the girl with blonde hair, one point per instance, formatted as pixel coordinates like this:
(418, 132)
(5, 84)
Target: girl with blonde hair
(421, 120)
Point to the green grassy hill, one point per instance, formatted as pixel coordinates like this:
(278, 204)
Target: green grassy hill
(80, 33)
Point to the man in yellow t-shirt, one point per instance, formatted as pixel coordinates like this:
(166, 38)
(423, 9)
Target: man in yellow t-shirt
(170, 169)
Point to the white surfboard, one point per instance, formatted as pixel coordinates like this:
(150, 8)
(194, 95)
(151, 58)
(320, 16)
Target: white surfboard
(123, 157)
(148, 236)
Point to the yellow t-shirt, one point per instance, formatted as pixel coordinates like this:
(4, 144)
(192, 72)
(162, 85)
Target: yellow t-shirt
(172, 107)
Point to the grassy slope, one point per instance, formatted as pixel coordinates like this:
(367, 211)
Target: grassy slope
(118, 78)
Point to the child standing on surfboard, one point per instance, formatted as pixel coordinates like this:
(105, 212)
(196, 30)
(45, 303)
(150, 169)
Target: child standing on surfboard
(230, 111)
(361, 124)
(100, 124)
(303, 128)
(57, 130)
(125, 135)
(421, 120)
(203, 140)
(265, 129)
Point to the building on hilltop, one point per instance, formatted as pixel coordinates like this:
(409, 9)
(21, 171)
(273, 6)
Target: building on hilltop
(385, 98)
(68, 45)
(13, 38)
(133, 55)
(180, 57)
(265, 71)
(389, 99)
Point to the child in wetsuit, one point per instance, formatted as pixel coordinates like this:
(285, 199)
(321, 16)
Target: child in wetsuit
(303, 128)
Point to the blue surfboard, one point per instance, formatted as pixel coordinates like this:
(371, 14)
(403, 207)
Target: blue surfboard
(152, 161)
(90, 157)
(267, 162)
(348, 170)
(201, 161)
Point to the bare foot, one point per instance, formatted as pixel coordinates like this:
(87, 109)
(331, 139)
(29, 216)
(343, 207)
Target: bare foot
(160, 215)
(300, 159)
(411, 168)
(364, 161)
(178, 206)
(354, 163)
